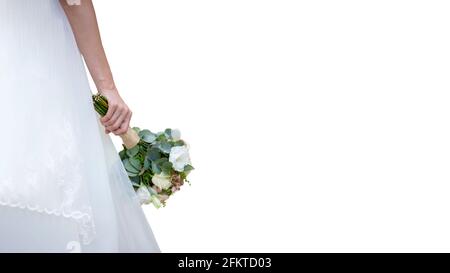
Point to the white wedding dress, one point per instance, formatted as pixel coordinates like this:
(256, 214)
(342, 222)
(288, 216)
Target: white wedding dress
(62, 185)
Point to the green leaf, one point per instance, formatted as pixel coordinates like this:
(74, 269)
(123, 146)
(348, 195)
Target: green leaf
(168, 132)
(144, 132)
(153, 154)
(123, 154)
(166, 167)
(147, 164)
(146, 177)
(135, 180)
(165, 147)
(188, 168)
(161, 137)
(130, 174)
(147, 136)
(136, 163)
(161, 160)
(133, 151)
(129, 167)
(178, 143)
(155, 168)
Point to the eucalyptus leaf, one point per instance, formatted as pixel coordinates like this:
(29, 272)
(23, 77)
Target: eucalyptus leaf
(147, 164)
(165, 147)
(168, 133)
(135, 163)
(161, 160)
(135, 180)
(166, 167)
(129, 167)
(155, 168)
(147, 136)
(153, 154)
(144, 132)
(122, 154)
(150, 138)
(133, 151)
(130, 174)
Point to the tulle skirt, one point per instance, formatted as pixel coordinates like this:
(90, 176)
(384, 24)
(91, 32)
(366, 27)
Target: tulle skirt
(62, 185)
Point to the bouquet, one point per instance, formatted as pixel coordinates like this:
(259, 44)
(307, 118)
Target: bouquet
(157, 163)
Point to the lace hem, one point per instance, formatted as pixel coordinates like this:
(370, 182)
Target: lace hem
(84, 220)
(62, 162)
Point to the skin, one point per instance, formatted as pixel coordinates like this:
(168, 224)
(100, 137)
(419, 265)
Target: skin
(83, 21)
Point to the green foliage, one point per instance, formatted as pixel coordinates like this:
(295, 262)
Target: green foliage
(153, 154)
(188, 168)
(150, 156)
(147, 136)
(133, 151)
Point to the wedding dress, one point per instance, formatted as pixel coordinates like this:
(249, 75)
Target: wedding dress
(63, 187)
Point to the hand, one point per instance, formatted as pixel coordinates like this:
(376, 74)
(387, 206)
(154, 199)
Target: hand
(117, 119)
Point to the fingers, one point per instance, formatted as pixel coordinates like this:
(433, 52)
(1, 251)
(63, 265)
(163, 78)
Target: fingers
(111, 121)
(111, 109)
(119, 122)
(124, 125)
(110, 124)
(116, 125)
(117, 118)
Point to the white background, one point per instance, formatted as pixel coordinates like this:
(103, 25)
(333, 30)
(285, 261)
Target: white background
(315, 126)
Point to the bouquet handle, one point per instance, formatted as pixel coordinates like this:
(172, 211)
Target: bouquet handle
(130, 138)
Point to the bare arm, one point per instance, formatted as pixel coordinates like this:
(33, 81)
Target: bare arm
(83, 21)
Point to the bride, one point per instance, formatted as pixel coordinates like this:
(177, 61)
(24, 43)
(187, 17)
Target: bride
(63, 187)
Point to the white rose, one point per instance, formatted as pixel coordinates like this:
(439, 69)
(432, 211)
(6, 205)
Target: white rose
(175, 134)
(144, 195)
(179, 157)
(162, 181)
